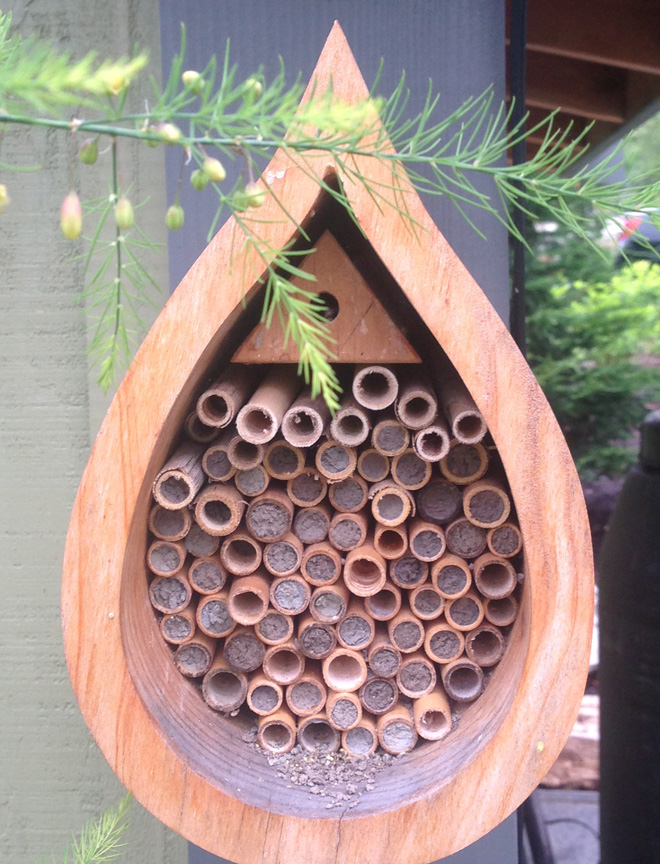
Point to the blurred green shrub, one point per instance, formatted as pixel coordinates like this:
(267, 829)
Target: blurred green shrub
(592, 345)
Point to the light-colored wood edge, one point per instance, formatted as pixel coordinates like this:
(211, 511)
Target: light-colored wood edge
(545, 488)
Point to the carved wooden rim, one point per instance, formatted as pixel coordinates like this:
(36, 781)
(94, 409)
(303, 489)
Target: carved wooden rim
(440, 798)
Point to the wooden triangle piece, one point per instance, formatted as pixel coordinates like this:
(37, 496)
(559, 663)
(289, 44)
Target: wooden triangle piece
(363, 331)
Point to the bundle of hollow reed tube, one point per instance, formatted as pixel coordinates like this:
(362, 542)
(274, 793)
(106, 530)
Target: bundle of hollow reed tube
(350, 579)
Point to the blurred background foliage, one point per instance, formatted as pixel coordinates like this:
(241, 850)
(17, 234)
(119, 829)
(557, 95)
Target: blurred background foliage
(593, 329)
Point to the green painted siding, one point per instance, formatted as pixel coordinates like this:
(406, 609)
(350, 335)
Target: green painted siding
(52, 776)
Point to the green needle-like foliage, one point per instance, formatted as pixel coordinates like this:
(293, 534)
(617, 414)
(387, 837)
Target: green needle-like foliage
(216, 114)
(102, 839)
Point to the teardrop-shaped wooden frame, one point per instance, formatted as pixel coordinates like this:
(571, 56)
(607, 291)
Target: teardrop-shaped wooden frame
(450, 793)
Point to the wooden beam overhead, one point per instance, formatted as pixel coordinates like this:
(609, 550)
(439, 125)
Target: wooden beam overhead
(622, 33)
(577, 87)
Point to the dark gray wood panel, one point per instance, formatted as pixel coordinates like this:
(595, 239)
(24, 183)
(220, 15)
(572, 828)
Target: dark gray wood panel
(460, 46)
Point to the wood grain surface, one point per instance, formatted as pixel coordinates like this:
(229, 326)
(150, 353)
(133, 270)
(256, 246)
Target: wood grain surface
(184, 762)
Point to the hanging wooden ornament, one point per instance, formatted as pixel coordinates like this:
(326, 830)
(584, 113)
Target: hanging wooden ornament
(403, 298)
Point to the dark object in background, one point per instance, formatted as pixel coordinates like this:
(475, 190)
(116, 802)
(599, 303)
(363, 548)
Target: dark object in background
(629, 675)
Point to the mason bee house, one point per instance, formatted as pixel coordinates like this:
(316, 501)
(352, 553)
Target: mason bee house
(410, 576)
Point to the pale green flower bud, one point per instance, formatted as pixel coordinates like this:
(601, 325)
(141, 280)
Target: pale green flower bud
(71, 217)
(174, 217)
(124, 214)
(214, 169)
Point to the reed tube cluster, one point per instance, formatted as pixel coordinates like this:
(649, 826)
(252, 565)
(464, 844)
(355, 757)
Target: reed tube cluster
(351, 579)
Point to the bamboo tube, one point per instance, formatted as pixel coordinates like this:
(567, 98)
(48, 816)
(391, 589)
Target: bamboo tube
(181, 477)
(465, 420)
(427, 541)
(384, 658)
(216, 462)
(224, 689)
(390, 542)
(199, 543)
(417, 676)
(198, 431)
(344, 670)
(505, 540)
(269, 516)
(308, 695)
(311, 525)
(465, 463)
(349, 495)
(442, 643)
(362, 740)
(465, 539)
(379, 695)
(290, 594)
(343, 710)
(283, 461)
(259, 420)
(374, 387)
(335, 461)
(274, 628)
(502, 612)
(194, 659)
(264, 696)
(406, 631)
(486, 504)
(248, 598)
(321, 564)
(432, 715)
(389, 437)
(329, 603)
(252, 482)
(416, 405)
(244, 650)
(351, 424)
(213, 616)
(219, 508)
(240, 554)
(305, 420)
(166, 557)
(170, 594)
(207, 575)
(284, 664)
(390, 504)
(364, 571)
(283, 557)
(495, 577)
(439, 502)
(243, 454)
(396, 731)
(308, 488)
(169, 524)
(462, 680)
(385, 604)
(432, 444)
(410, 471)
(426, 602)
(219, 403)
(451, 576)
(373, 466)
(408, 571)
(177, 628)
(348, 531)
(316, 640)
(485, 645)
(277, 733)
(356, 630)
(316, 735)
(465, 613)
